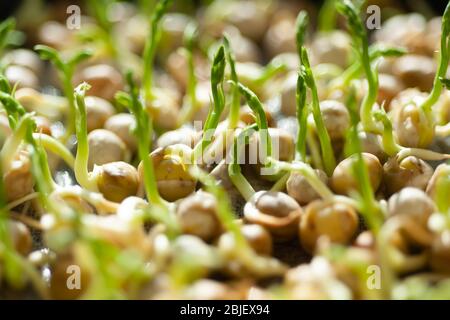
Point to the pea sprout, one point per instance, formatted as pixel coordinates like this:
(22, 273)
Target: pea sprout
(213, 118)
(392, 148)
(234, 168)
(361, 42)
(6, 29)
(235, 100)
(302, 117)
(327, 16)
(151, 45)
(82, 174)
(66, 68)
(187, 112)
(329, 160)
(13, 108)
(256, 106)
(444, 58)
(353, 71)
(301, 26)
(371, 209)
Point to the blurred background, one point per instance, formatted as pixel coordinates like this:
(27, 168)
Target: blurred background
(9, 8)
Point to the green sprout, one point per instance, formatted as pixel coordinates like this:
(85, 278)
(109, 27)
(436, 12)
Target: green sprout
(354, 70)
(302, 117)
(301, 26)
(143, 132)
(235, 100)
(370, 208)
(85, 179)
(66, 68)
(261, 120)
(327, 16)
(190, 35)
(6, 29)
(13, 108)
(324, 139)
(361, 42)
(151, 45)
(444, 58)
(213, 118)
(234, 168)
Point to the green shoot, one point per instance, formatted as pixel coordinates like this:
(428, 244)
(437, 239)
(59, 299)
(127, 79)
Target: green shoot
(65, 68)
(151, 45)
(6, 28)
(13, 108)
(444, 58)
(301, 26)
(213, 118)
(234, 168)
(324, 139)
(39, 167)
(442, 187)
(81, 160)
(190, 35)
(361, 43)
(235, 100)
(302, 117)
(256, 106)
(354, 70)
(143, 132)
(327, 16)
(370, 207)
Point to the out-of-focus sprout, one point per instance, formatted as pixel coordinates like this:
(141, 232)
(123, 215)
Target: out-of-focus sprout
(444, 57)
(360, 40)
(66, 68)
(189, 109)
(242, 251)
(151, 45)
(371, 209)
(235, 100)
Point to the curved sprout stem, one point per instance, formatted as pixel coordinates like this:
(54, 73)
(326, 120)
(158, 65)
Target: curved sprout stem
(234, 168)
(56, 147)
(302, 118)
(84, 178)
(444, 58)
(65, 69)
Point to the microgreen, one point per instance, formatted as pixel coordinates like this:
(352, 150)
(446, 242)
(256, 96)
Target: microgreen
(6, 29)
(213, 118)
(143, 132)
(151, 45)
(189, 38)
(302, 117)
(301, 26)
(327, 16)
(329, 160)
(234, 168)
(361, 43)
(82, 157)
(442, 187)
(235, 100)
(66, 68)
(13, 108)
(256, 106)
(444, 58)
(370, 207)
